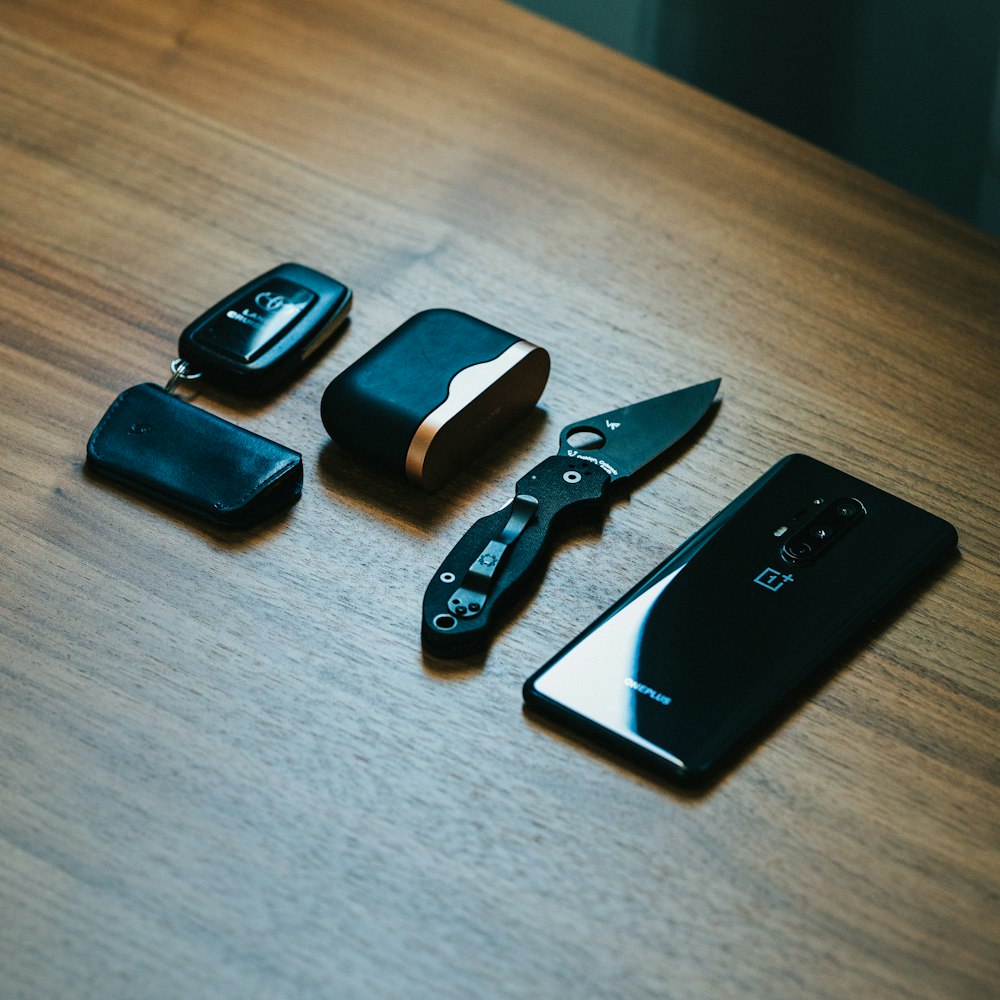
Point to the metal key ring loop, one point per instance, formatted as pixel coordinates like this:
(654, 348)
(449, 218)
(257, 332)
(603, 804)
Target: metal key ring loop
(181, 369)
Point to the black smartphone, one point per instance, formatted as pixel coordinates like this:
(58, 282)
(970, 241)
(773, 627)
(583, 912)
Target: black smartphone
(686, 666)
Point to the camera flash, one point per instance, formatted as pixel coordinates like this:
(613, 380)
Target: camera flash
(781, 531)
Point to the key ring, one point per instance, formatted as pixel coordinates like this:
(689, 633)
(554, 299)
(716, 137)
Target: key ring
(180, 371)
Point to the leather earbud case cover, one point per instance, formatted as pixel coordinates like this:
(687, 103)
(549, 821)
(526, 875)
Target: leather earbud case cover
(433, 395)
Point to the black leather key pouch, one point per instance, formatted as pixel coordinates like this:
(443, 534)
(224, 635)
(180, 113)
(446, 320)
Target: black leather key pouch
(162, 446)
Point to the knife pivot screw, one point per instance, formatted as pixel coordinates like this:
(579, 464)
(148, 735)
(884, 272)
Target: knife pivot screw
(572, 477)
(447, 577)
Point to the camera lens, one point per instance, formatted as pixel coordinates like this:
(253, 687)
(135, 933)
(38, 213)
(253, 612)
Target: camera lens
(847, 508)
(798, 550)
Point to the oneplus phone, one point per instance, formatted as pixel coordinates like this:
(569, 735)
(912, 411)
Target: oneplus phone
(684, 667)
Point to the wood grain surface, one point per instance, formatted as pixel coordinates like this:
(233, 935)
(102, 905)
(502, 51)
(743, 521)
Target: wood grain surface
(227, 768)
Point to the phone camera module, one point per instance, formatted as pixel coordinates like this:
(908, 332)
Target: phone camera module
(825, 528)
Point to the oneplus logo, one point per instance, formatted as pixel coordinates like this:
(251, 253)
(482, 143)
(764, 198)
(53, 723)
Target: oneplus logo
(649, 692)
(772, 579)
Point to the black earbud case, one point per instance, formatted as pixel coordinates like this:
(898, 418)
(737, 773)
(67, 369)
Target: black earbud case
(433, 395)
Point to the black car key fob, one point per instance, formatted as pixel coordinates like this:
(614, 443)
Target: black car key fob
(256, 337)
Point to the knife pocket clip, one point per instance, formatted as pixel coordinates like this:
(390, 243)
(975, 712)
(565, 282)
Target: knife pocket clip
(477, 584)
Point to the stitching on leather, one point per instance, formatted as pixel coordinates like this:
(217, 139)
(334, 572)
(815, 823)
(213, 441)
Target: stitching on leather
(107, 416)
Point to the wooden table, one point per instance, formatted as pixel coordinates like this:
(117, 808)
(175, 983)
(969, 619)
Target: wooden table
(227, 768)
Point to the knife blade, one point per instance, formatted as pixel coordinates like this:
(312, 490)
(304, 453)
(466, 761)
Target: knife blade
(497, 554)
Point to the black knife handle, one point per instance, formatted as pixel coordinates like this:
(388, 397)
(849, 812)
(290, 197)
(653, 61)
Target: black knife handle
(497, 554)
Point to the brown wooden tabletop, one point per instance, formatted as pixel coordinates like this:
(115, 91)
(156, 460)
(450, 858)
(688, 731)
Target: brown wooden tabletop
(227, 768)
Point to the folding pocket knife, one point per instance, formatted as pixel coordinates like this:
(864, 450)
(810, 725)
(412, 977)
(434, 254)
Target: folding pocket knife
(497, 554)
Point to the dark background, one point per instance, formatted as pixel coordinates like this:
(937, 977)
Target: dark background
(907, 89)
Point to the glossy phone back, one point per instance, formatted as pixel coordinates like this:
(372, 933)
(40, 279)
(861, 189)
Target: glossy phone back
(688, 663)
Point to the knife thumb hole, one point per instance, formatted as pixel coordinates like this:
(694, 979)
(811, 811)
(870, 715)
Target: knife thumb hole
(585, 439)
